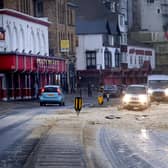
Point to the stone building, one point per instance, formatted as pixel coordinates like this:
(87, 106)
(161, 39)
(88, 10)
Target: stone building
(62, 38)
(147, 20)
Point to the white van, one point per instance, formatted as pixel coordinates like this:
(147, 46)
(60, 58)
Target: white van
(158, 87)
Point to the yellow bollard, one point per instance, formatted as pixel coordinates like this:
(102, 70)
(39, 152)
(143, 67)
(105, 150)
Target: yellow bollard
(100, 100)
(78, 104)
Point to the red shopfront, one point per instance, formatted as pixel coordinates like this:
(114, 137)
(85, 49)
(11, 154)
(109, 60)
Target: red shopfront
(19, 74)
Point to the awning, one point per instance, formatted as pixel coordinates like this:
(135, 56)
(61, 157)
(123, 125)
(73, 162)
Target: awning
(29, 63)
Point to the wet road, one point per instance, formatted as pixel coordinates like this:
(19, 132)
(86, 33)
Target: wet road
(16, 127)
(123, 148)
(135, 149)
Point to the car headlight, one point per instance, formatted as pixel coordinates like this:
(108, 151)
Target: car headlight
(126, 98)
(150, 91)
(166, 92)
(143, 99)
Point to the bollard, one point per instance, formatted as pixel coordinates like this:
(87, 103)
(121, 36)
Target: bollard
(100, 100)
(108, 96)
(78, 105)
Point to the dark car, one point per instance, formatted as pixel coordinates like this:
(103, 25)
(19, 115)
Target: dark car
(111, 90)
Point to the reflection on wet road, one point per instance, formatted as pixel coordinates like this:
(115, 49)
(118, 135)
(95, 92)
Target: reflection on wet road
(135, 149)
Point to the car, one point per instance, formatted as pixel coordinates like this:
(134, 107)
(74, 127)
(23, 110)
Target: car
(52, 94)
(111, 90)
(136, 96)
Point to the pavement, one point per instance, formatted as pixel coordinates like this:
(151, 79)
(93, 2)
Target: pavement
(6, 106)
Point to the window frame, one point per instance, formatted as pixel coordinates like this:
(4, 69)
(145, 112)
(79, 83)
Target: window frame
(91, 59)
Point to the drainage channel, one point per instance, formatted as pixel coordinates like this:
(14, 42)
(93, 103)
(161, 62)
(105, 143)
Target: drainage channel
(60, 151)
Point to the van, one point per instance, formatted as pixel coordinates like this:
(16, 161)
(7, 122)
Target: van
(158, 87)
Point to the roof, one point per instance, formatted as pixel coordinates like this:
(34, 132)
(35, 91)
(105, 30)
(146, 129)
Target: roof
(158, 77)
(92, 17)
(95, 27)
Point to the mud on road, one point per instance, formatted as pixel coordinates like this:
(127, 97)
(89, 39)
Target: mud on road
(86, 130)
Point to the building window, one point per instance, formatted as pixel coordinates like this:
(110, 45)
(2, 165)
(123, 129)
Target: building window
(108, 40)
(150, 1)
(38, 7)
(131, 59)
(135, 60)
(1, 4)
(25, 6)
(117, 58)
(122, 20)
(107, 59)
(91, 59)
(123, 38)
(140, 60)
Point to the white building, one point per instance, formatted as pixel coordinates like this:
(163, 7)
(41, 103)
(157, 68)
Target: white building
(92, 54)
(136, 56)
(23, 33)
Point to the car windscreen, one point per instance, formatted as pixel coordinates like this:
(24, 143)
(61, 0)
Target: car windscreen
(50, 89)
(136, 90)
(109, 87)
(162, 84)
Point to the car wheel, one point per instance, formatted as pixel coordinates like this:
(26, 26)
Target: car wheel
(62, 104)
(41, 104)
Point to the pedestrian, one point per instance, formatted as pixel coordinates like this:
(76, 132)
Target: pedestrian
(36, 90)
(89, 90)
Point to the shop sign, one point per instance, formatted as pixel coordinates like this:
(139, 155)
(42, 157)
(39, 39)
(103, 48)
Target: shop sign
(64, 45)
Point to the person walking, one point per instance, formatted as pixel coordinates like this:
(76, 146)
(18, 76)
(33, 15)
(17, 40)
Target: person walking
(36, 90)
(89, 89)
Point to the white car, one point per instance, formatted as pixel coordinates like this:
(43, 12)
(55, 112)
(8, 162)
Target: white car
(136, 96)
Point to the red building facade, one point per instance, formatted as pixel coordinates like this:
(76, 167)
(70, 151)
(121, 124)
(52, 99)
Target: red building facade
(19, 73)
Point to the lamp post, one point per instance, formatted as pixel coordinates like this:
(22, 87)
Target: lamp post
(100, 73)
(79, 85)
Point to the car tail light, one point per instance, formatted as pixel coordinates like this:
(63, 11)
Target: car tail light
(59, 91)
(42, 90)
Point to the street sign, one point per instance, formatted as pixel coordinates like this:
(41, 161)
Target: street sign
(78, 104)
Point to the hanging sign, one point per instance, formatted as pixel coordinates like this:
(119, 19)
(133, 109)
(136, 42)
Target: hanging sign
(64, 45)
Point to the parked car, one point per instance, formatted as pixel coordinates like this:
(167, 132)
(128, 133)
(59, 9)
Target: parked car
(136, 96)
(52, 94)
(111, 90)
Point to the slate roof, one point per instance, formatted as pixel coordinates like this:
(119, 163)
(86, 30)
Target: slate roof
(92, 17)
(95, 27)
